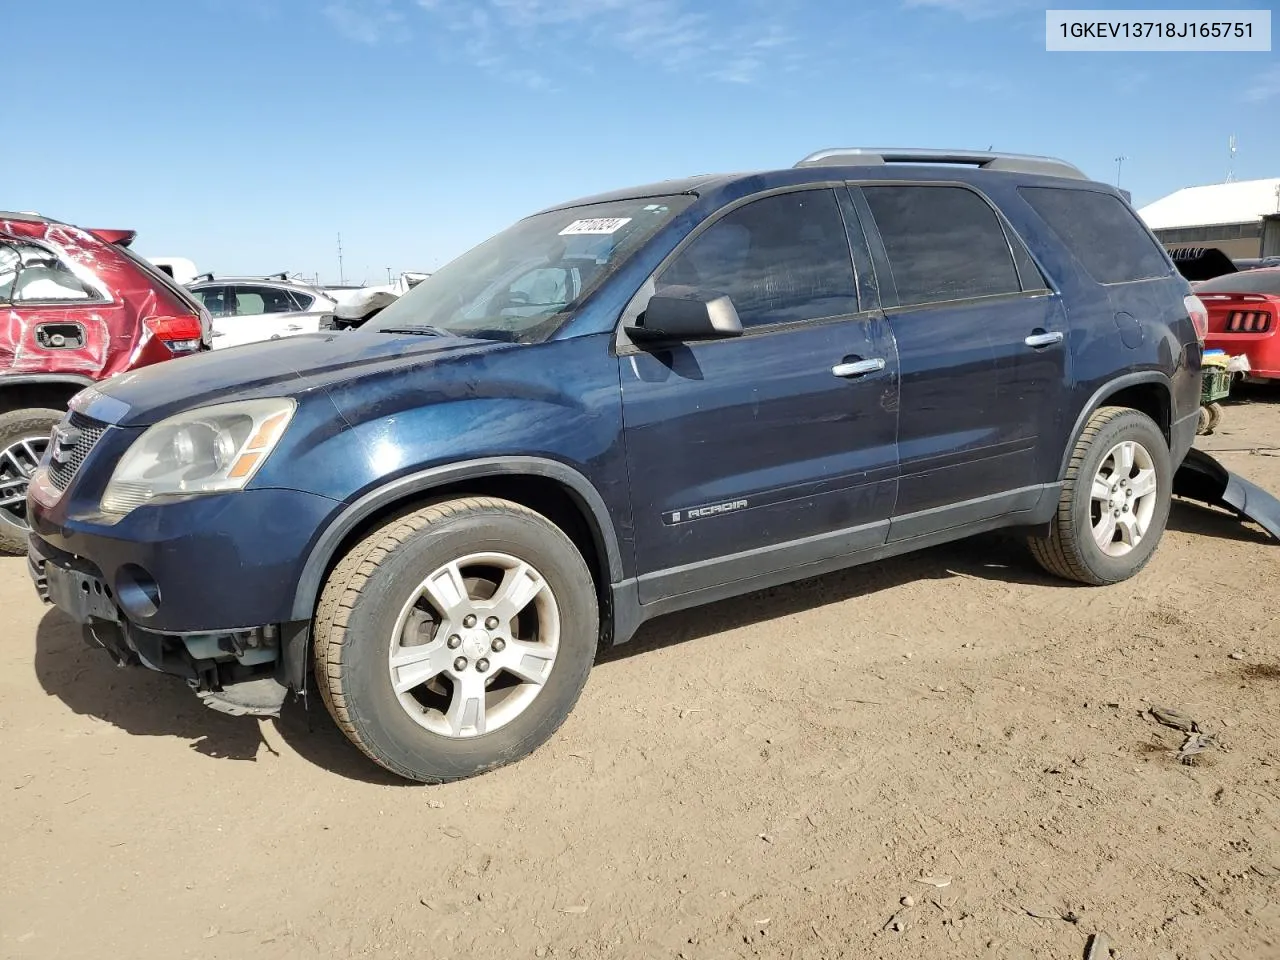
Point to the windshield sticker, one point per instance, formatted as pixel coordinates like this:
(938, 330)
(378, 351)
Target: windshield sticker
(602, 226)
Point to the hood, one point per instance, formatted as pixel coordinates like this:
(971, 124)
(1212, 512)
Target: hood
(287, 367)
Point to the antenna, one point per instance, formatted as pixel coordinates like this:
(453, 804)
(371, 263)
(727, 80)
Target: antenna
(1119, 165)
(388, 275)
(1231, 162)
(342, 276)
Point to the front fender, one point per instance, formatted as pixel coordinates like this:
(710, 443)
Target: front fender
(414, 485)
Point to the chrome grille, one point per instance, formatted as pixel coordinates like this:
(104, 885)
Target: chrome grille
(87, 433)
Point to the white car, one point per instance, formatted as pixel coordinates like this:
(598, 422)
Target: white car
(358, 304)
(248, 309)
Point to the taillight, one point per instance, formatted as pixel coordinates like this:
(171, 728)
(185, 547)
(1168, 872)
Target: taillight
(1199, 316)
(179, 334)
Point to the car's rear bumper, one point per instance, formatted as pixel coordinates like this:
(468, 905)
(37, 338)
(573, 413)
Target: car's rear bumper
(1182, 435)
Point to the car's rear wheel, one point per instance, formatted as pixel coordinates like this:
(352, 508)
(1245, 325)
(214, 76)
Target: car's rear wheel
(456, 638)
(24, 435)
(1114, 503)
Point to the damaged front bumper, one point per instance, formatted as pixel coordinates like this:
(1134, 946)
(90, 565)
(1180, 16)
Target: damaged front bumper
(243, 671)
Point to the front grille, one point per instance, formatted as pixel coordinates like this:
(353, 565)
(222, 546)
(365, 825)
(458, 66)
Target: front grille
(62, 469)
(1248, 321)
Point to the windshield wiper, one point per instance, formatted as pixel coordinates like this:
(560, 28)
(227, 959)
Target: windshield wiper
(421, 330)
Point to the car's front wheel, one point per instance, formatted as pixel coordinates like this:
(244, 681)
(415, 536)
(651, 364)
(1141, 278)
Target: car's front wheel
(456, 638)
(1114, 502)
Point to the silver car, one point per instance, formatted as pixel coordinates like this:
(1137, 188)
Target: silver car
(248, 309)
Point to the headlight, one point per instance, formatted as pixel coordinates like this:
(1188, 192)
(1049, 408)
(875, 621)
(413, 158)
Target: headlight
(207, 450)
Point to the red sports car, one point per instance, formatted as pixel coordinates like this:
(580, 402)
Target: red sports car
(1244, 317)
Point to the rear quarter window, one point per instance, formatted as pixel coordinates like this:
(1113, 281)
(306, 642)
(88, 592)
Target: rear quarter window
(1102, 233)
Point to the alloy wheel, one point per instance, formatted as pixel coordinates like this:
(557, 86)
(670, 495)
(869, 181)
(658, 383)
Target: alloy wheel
(474, 644)
(18, 462)
(1123, 498)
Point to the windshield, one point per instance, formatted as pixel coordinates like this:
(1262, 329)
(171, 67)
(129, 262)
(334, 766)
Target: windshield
(1249, 281)
(521, 285)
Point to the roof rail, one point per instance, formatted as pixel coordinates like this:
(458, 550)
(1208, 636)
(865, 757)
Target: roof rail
(1010, 162)
(201, 277)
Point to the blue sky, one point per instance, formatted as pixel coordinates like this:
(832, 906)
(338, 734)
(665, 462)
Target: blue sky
(246, 134)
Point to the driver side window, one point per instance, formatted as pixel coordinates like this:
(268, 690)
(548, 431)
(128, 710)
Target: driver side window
(781, 259)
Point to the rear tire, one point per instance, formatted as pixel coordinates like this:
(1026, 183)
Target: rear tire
(24, 434)
(456, 638)
(1114, 503)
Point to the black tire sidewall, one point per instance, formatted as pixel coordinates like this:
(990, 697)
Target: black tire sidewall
(1138, 427)
(374, 708)
(15, 425)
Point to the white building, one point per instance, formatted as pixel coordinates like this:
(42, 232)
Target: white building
(1241, 218)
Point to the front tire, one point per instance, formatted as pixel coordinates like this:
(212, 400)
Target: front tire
(1114, 503)
(24, 434)
(456, 638)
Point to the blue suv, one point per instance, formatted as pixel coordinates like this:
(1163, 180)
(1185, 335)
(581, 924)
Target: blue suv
(621, 407)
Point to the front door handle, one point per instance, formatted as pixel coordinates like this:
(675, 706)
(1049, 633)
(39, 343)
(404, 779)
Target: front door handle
(858, 368)
(1038, 340)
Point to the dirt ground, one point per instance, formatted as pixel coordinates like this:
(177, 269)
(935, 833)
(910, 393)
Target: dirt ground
(768, 777)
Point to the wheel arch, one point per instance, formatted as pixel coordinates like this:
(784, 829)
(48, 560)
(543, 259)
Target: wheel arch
(26, 391)
(1149, 392)
(550, 487)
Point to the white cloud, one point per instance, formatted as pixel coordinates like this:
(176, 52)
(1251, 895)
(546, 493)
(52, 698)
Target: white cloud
(1266, 86)
(366, 21)
(974, 9)
(505, 37)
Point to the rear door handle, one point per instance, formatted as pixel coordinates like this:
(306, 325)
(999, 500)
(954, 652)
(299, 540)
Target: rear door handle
(858, 368)
(1043, 339)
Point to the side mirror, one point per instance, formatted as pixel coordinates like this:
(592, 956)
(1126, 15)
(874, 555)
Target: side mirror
(683, 313)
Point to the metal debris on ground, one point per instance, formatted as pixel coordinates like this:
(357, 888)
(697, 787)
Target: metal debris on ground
(1042, 912)
(1196, 743)
(1173, 718)
(935, 881)
(1097, 948)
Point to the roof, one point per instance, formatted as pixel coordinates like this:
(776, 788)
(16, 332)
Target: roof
(1242, 201)
(831, 168)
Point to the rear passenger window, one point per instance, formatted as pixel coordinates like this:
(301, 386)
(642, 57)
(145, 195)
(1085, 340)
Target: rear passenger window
(1101, 232)
(30, 273)
(780, 259)
(944, 243)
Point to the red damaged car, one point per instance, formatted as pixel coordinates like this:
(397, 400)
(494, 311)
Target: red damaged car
(76, 306)
(1244, 317)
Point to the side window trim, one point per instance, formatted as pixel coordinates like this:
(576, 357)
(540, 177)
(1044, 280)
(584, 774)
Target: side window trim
(1044, 287)
(622, 344)
(6, 298)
